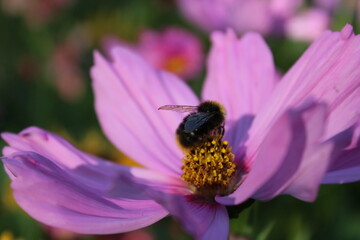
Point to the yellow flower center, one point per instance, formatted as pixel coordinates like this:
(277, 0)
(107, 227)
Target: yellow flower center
(175, 64)
(209, 168)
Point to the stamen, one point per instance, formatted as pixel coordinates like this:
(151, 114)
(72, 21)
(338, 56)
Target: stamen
(209, 168)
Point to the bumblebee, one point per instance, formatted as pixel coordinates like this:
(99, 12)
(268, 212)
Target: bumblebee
(203, 122)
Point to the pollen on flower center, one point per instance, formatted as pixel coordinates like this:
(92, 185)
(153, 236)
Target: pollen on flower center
(209, 168)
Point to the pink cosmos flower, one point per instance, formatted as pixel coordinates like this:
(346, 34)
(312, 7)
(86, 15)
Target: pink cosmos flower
(173, 49)
(283, 137)
(271, 17)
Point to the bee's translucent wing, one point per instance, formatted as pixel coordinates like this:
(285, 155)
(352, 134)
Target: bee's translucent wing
(179, 108)
(194, 121)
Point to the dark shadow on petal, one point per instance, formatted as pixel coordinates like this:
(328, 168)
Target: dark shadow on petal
(238, 134)
(235, 210)
(292, 159)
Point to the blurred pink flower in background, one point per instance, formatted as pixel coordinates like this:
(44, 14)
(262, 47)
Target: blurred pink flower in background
(172, 49)
(307, 25)
(35, 12)
(266, 17)
(61, 234)
(65, 65)
(219, 14)
(329, 5)
(288, 136)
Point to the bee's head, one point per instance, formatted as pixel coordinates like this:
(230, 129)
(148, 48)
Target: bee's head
(210, 106)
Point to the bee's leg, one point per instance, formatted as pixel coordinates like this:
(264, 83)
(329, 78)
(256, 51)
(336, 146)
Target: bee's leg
(222, 129)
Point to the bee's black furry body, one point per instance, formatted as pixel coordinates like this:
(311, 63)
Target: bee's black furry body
(198, 126)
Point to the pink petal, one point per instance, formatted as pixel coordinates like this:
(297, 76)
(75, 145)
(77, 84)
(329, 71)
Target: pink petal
(207, 221)
(128, 94)
(328, 72)
(136, 181)
(55, 197)
(305, 183)
(94, 172)
(203, 219)
(288, 152)
(47, 144)
(344, 175)
(345, 164)
(244, 70)
(302, 171)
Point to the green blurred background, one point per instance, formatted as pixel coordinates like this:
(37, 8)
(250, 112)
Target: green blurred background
(36, 48)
